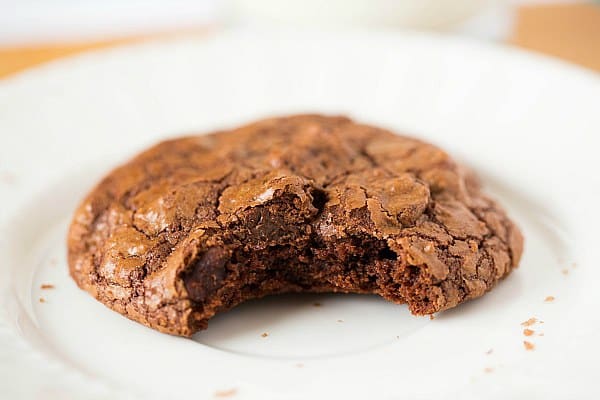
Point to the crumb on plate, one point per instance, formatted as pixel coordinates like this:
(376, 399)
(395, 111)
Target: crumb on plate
(530, 321)
(8, 178)
(528, 345)
(225, 393)
(46, 286)
(528, 332)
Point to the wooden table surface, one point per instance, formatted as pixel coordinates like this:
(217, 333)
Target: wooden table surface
(568, 31)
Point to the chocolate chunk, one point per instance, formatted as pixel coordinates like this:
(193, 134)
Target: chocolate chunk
(206, 274)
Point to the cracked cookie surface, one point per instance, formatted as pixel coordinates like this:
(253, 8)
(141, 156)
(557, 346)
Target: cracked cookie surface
(308, 203)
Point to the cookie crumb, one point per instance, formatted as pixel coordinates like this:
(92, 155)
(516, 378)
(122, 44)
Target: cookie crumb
(541, 334)
(431, 317)
(264, 334)
(42, 300)
(528, 345)
(46, 286)
(490, 351)
(317, 304)
(574, 265)
(225, 393)
(565, 271)
(549, 299)
(488, 370)
(8, 178)
(340, 320)
(528, 332)
(529, 322)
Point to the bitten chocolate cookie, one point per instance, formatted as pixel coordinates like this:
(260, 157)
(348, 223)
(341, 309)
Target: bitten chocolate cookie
(308, 203)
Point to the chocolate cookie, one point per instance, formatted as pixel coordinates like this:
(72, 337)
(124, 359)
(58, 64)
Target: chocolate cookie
(197, 225)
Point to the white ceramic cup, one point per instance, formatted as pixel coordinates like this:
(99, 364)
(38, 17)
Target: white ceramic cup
(416, 14)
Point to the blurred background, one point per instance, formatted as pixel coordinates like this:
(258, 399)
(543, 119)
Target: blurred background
(36, 31)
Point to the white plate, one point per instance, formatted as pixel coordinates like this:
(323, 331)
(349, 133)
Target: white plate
(528, 124)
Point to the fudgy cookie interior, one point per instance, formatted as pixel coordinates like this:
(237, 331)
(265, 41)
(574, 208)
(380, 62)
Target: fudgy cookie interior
(274, 248)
